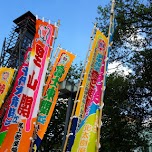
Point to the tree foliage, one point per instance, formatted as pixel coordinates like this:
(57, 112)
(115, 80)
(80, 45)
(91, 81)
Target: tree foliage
(133, 27)
(141, 85)
(119, 130)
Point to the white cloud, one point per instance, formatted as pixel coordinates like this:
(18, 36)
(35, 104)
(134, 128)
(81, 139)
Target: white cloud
(119, 68)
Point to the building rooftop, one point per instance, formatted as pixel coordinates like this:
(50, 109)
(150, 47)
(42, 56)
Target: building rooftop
(24, 16)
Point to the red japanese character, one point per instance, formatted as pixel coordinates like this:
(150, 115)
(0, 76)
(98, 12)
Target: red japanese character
(39, 55)
(2, 88)
(94, 77)
(25, 106)
(32, 85)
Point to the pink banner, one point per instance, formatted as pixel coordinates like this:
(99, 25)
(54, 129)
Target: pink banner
(13, 100)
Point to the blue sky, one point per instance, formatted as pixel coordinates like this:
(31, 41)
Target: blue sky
(76, 17)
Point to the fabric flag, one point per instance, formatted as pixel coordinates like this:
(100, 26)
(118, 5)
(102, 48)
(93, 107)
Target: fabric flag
(19, 135)
(88, 134)
(92, 71)
(86, 137)
(6, 76)
(57, 75)
(13, 99)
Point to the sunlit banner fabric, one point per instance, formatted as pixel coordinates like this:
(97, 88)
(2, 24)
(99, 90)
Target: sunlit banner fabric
(88, 133)
(6, 76)
(13, 99)
(19, 135)
(57, 75)
(92, 71)
(86, 137)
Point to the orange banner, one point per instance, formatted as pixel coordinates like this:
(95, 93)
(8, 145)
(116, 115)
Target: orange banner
(57, 75)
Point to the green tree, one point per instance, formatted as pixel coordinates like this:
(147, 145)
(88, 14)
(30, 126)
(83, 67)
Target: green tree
(133, 27)
(121, 130)
(141, 88)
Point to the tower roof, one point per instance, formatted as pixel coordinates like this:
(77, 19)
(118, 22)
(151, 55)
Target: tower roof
(24, 16)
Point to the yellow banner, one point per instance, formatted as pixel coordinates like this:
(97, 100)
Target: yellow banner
(89, 68)
(6, 76)
(92, 71)
(86, 137)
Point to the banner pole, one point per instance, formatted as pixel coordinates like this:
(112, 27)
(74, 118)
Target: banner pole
(79, 86)
(103, 87)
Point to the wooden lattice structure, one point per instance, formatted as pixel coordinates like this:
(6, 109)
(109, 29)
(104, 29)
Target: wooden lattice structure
(21, 36)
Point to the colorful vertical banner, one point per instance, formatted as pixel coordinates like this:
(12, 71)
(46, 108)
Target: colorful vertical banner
(86, 137)
(57, 75)
(100, 51)
(99, 47)
(13, 99)
(6, 76)
(112, 27)
(19, 135)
